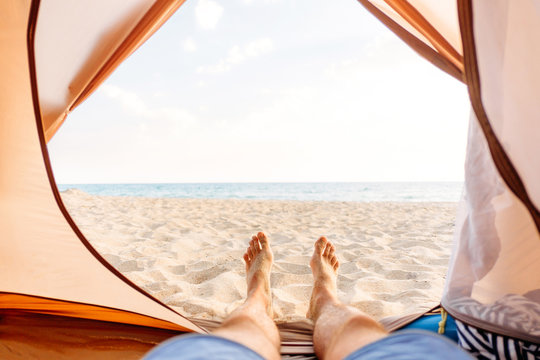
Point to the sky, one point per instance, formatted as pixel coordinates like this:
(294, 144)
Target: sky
(268, 91)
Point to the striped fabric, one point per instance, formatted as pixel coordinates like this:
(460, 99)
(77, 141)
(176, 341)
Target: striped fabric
(519, 314)
(488, 346)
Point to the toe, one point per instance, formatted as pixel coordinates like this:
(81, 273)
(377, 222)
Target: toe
(331, 249)
(262, 239)
(326, 251)
(320, 245)
(250, 252)
(336, 265)
(333, 261)
(254, 244)
(246, 258)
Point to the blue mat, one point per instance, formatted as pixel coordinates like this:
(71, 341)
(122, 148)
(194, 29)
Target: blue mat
(431, 323)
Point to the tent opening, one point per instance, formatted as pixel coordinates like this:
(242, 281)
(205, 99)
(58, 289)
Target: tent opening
(168, 167)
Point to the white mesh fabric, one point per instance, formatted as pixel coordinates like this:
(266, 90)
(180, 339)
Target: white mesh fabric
(494, 275)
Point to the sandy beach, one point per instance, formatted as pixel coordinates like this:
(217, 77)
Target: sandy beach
(188, 252)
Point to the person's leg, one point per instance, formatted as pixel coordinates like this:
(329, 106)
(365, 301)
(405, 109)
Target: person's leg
(251, 324)
(339, 329)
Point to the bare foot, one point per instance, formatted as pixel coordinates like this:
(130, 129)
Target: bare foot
(324, 265)
(259, 259)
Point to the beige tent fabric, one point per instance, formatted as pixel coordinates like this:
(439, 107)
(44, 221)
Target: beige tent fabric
(494, 275)
(443, 16)
(500, 156)
(438, 25)
(430, 28)
(508, 54)
(493, 280)
(40, 252)
(79, 44)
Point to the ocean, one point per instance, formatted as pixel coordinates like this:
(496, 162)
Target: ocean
(331, 191)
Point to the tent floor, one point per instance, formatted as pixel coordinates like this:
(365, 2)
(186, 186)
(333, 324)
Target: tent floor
(25, 335)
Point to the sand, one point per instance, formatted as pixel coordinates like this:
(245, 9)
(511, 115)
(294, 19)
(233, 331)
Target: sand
(188, 252)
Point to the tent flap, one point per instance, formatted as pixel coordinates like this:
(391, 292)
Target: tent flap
(76, 52)
(494, 275)
(420, 34)
(42, 253)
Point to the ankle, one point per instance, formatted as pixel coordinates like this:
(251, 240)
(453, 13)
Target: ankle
(324, 298)
(320, 301)
(260, 297)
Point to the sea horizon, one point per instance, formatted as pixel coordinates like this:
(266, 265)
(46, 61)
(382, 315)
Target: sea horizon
(398, 191)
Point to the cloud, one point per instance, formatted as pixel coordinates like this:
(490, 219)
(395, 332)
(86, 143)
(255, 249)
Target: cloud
(177, 118)
(208, 13)
(255, 48)
(128, 100)
(220, 67)
(189, 45)
(239, 54)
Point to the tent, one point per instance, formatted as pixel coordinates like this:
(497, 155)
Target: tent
(60, 299)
